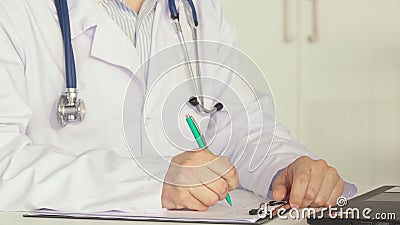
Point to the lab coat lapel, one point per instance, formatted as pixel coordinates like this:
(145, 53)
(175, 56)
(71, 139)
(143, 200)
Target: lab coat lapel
(83, 15)
(110, 44)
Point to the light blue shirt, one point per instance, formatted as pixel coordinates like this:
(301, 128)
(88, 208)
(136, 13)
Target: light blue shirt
(138, 28)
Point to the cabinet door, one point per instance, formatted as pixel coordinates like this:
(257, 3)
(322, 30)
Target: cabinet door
(350, 82)
(261, 29)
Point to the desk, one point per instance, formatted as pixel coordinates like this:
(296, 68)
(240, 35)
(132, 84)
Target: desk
(15, 218)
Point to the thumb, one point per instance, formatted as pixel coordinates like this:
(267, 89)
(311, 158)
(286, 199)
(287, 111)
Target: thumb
(280, 187)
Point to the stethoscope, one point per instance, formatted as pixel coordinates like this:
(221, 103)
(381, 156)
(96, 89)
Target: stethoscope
(72, 109)
(69, 107)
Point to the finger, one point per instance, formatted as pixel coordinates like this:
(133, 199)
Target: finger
(280, 187)
(182, 175)
(191, 202)
(301, 179)
(223, 168)
(336, 193)
(204, 195)
(232, 179)
(220, 187)
(315, 184)
(166, 200)
(208, 179)
(330, 180)
(286, 206)
(279, 193)
(207, 176)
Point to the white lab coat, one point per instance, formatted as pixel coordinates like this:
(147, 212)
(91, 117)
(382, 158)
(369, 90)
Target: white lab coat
(88, 166)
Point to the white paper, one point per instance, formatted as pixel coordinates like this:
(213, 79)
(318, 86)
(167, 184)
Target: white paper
(242, 201)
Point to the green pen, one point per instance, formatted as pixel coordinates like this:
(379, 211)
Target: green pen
(200, 142)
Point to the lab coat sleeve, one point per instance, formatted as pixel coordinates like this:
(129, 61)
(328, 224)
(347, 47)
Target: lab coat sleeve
(38, 176)
(257, 160)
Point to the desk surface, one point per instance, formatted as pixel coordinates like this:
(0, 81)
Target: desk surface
(15, 218)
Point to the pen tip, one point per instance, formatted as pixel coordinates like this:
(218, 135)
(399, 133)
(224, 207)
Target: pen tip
(228, 199)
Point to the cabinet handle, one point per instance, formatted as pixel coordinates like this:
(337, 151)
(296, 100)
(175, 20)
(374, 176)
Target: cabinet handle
(313, 38)
(287, 35)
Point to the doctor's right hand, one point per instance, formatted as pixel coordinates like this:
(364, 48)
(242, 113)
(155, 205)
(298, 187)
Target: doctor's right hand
(197, 180)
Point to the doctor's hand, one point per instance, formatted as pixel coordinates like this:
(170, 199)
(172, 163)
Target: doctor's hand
(308, 182)
(197, 180)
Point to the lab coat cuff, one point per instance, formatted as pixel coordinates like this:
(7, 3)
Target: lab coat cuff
(349, 190)
(156, 175)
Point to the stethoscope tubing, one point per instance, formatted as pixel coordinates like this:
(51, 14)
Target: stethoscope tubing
(196, 101)
(64, 21)
(175, 13)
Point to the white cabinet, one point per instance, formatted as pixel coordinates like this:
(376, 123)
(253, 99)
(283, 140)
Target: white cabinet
(350, 82)
(340, 95)
(259, 27)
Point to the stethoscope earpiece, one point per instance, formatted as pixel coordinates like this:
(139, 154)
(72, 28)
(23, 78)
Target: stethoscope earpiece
(193, 101)
(219, 106)
(202, 109)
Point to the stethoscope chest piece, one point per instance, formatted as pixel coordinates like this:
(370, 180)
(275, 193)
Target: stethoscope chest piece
(70, 108)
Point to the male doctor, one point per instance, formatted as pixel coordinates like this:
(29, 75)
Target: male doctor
(88, 166)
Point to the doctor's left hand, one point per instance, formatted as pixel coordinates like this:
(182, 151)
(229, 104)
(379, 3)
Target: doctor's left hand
(308, 182)
(197, 180)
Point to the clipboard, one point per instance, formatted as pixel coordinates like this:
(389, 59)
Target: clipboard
(259, 221)
(221, 213)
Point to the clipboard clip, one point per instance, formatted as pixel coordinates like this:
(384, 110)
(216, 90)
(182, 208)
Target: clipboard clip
(265, 209)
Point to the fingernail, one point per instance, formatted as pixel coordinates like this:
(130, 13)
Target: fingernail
(294, 206)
